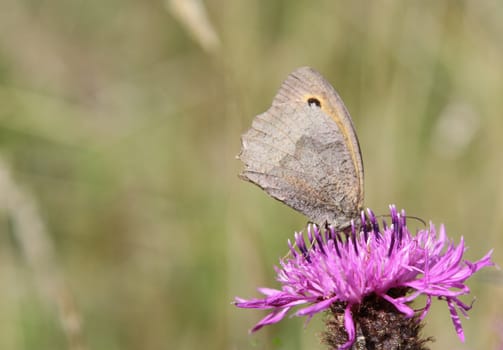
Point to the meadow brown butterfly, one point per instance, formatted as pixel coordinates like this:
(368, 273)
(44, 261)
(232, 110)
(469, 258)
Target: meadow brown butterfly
(303, 151)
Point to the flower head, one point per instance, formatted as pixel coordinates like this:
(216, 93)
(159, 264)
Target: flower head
(342, 271)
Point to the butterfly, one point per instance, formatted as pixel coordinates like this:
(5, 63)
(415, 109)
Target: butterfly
(304, 152)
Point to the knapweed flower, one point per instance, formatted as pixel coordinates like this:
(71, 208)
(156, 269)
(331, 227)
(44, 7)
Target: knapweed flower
(367, 278)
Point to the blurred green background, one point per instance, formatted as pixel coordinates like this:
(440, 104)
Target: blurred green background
(124, 225)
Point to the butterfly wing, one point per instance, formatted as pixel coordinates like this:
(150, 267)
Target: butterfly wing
(304, 152)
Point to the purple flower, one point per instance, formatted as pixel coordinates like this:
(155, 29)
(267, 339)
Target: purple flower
(341, 272)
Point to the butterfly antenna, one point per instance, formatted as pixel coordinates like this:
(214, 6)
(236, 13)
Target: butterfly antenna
(408, 217)
(310, 243)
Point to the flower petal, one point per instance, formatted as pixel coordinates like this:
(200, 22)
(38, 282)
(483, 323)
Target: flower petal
(349, 324)
(273, 317)
(455, 320)
(315, 308)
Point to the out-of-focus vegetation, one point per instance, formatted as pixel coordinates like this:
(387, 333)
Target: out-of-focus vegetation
(119, 126)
